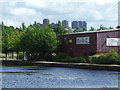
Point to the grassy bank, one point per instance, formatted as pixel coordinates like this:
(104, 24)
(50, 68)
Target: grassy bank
(108, 58)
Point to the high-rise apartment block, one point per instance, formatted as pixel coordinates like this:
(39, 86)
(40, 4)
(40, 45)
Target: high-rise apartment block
(46, 21)
(80, 24)
(75, 24)
(84, 24)
(65, 23)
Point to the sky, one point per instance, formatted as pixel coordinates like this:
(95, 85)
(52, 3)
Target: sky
(94, 12)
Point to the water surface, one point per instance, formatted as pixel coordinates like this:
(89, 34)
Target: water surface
(56, 77)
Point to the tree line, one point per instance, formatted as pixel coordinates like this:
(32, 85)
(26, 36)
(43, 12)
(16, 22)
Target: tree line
(38, 42)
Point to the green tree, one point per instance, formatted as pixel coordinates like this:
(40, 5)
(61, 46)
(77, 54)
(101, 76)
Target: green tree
(23, 26)
(60, 29)
(84, 29)
(69, 30)
(110, 27)
(103, 28)
(78, 29)
(92, 29)
(38, 42)
(6, 40)
(9, 36)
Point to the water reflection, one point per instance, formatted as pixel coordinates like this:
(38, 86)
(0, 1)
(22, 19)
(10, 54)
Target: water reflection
(56, 77)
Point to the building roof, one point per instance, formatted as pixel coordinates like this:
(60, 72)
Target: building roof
(110, 30)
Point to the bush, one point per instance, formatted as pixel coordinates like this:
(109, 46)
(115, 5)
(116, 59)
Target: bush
(108, 58)
(60, 56)
(78, 60)
(20, 55)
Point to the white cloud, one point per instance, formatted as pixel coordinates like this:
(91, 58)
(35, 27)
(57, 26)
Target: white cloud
(9, 22)
(97, 15)
(102, 2)
(22, 11)
(95, 11)
(36, 3)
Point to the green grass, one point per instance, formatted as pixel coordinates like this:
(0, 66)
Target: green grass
(9, 56)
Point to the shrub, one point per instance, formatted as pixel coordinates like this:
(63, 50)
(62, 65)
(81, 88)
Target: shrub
(75, 59)
(79, 60)
(60, 56)
(20, 55)
(108, 58)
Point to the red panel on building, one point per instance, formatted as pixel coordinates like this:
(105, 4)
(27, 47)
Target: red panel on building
(90, 43)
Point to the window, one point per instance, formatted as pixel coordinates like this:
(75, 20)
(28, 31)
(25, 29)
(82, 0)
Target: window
(82, 40)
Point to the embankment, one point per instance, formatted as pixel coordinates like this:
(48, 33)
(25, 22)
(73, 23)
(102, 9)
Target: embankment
(61, 64)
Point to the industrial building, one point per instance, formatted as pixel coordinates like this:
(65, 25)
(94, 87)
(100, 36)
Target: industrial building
(90, 43)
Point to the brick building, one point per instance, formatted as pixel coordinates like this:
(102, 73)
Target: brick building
(90, 43)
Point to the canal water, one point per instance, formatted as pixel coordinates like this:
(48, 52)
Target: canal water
(56, 77)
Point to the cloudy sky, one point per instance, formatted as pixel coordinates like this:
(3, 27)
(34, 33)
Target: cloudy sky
(95, 12)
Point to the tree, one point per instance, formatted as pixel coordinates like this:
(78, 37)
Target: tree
(92, 29)
(110, 27)
(118, 27)
(6, 44)
(60, 29)
(38, 42)
(84, 29)
(23, 26)
(2, 26)
(9, 39)
(78, 29)
(103, 28)
(69, 30)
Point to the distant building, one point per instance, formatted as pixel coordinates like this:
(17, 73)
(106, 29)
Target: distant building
(40, 24)
(84, 24)
(80, 24)
(53, 25)
(75, 24)
(46, 21)
(65, 23)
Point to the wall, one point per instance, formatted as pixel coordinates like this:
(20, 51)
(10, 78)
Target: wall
(76, 50)
(101, 41)
(97, 43)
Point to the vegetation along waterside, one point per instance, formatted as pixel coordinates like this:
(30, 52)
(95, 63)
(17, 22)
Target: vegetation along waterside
(42, 44)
